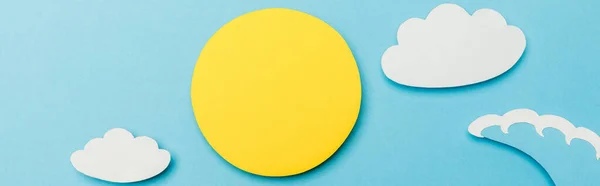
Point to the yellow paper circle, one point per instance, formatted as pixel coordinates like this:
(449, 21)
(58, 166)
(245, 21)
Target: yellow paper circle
(276, 92)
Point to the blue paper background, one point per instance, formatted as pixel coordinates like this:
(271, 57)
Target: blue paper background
(72, 69)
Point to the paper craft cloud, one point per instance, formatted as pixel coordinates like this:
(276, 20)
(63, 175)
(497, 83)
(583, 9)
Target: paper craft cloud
(451, 48)
(121, 158)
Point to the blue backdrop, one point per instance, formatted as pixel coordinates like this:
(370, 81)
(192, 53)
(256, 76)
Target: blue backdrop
(72, 69)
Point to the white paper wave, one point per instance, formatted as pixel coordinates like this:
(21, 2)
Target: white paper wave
(539, 122)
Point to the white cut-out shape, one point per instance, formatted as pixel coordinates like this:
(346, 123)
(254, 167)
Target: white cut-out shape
(539, 122)
(451, 48)
(121, 158)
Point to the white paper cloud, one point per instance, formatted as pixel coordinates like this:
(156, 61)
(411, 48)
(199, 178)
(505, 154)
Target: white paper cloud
(451, 48)
(121, 158)
(539, 122)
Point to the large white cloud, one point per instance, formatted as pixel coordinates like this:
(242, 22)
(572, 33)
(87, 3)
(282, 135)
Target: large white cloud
(451, 48)
(121, 158)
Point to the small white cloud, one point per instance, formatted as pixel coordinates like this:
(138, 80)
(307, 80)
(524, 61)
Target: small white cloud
(121, 158)
(539, 122)
(451, 48)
